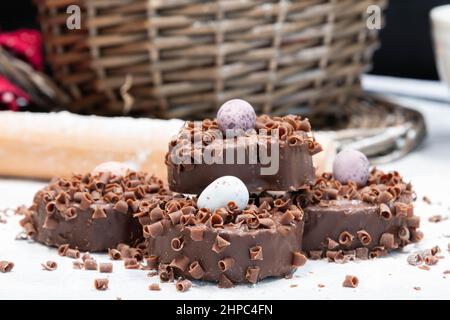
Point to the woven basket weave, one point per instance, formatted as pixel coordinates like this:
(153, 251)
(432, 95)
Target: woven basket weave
(184, 58)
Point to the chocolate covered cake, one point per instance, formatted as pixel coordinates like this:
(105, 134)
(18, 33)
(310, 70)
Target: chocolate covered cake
(91, 212)
(226, 245)
(346, 221)
(293, 141)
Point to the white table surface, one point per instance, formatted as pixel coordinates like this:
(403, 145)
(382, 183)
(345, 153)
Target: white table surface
(386, 278)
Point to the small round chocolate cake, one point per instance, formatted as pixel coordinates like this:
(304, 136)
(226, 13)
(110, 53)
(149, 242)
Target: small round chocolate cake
(92, 212)
(226, 245)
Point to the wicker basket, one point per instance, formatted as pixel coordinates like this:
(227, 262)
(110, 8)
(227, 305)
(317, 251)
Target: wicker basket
(184, 58)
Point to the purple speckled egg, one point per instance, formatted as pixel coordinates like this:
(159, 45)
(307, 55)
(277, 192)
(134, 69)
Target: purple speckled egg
(236, 116)
(351, 165)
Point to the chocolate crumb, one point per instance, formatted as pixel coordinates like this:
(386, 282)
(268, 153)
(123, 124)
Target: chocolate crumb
(424, 267)
(447, 272)
(154, 287)
(101, 284)
(77, 265)
(131, 263)
(90, 264)
(426, 200)
(152, 274)
(320, 285)
(437, 218)
(350, 281)
(293, 286)
(6, 266)
(50, 265)
(106, 267)
(417, 288)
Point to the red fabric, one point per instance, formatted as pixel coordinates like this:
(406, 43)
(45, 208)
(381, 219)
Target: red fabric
(26, 45)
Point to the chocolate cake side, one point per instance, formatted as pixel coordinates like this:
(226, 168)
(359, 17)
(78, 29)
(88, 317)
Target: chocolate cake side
(345, 221)
(91, 212)
(227, 245)
(296, 146)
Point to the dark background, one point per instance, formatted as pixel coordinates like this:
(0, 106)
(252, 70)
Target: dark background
(406, 43)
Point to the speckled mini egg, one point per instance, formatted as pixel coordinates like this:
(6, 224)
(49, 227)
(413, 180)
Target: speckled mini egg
(236, 116)
(351, 165)
(222, 191)
(118, 169)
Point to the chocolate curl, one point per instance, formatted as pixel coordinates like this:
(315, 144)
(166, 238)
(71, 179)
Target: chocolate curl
(124, 250)
(203, 215)
(403, 209)
(335, 256)
(294, 140)
(287, 218)
(350, 281)
(362, 253)
(330, 193)
(220, 244)
(172, 206)
(256, 253)
(416, 235)
(265, 205)
(177, 244)
(77, 265)
(183, 285)
(304, 125)
(29, 230)
(224, 282)
(225, 264)
(99, 213)
(62, 201)
(281, 204)
(154, 287)
(152, 262)
(431, 260)
(50, 223)
(49, 265)
(298, 259)
(181, 262)
(252, 222)
(72, 253)
(114, 254)
(86, 256)
(129, 195)
(385, 212)
(6, 266)
(106, 267)
(252, 274)
(364, 237)
(62, 250)
(153, 230)
(175, 217)
(130, 263)
(196, 271)
(165, 273)
(385, 197)
(188, 210)
(403, 233)
(101, 284)
(331, 244)
(156, 214)
(69, 214)
(315, 255)
(121, 206)
(50, 208)
(85, 201)
(90, 264)
(136, 254)
(345, 239)
(267, 223)
(297, 212)
(216, 221)
(197, 233)
(187, 219)
(387, 240)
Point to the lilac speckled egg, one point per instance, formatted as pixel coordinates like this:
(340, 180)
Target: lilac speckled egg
(351, 165)
(236, 116)
(118, 169)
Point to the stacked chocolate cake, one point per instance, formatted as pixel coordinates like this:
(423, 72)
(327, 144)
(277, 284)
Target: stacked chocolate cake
(243, 204)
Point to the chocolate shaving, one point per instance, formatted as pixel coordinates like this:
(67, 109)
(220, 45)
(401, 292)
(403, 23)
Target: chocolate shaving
(256, 253)
(154, 287)
(114, 254)
(330, 244)
(6, 266)
(106, 267)
(177, 244)
(62, 250)
(315, 255)
(131, 263)
(175, 217)
(252, 274)
(362, 253)
(50, 266)
(181, 262)
(387, 240)
(385, 212)
(183, 285)
(90, 264)
(350, 282)
(86, 256)
(224, 282)
(77, 265)
(195, 270)
(364, 237)
(99, 213)
(153, 230)
(220, 244)
(121, 206)
(287, 218)
(72, 253)
(345, 239)
(152, 262)
(298, 259)
(437, 218)
(101, 284)
(197, 233)
(226, 264)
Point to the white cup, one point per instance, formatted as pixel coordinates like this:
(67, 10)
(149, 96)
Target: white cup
(440, 22)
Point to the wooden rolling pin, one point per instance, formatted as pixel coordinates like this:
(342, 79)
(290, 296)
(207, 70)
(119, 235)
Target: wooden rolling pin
(46, 145)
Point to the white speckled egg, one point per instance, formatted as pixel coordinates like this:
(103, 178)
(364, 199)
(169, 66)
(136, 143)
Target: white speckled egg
(235, 117)
(351, 165)
(118, 169)
(223, 190)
